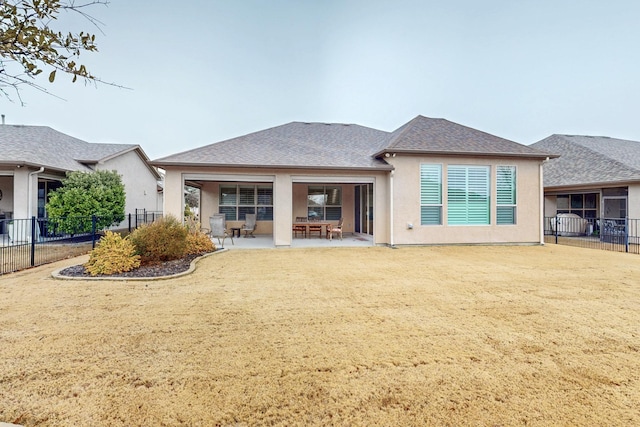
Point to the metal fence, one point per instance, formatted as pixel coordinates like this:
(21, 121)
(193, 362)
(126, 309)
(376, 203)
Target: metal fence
(31, 242)
(143, 216)
(613, 234)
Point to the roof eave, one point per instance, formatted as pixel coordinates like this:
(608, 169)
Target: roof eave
(21, 163)
(542, 156)
(272, 166)
(590, 185)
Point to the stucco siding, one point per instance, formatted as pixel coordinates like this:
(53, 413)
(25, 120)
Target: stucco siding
(140, 184)
(550, 205)
(406, 204)
(634, 201)
(21, 193)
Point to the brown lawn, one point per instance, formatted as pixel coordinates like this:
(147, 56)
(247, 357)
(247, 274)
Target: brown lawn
(444, 336)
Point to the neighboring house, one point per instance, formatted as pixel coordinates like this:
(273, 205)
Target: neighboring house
(34, 160)
(429, 182)
(594, 177)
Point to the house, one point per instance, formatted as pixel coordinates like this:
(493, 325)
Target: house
(34, 160)
(595, 177)
(431, 181)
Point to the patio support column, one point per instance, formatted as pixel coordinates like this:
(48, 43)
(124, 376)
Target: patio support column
(542, 200)
(21, 193)
(173, 194)
(391, 216)
(282, 210)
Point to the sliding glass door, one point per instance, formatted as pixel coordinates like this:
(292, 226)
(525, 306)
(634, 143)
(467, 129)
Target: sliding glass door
(364, 208)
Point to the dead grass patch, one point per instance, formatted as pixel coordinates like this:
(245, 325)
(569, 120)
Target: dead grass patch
(18, 257)
(441, 336)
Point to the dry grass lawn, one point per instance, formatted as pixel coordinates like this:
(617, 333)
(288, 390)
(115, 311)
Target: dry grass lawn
(444, 336)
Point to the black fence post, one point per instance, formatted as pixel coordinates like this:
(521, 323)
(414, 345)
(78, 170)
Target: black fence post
(94, 221)
(626, 234)
(556, 229)
(33, 240)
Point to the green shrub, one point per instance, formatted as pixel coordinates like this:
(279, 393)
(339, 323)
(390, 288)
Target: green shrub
(112, 255)
(162, 240)
(83, 194)
(198, 242)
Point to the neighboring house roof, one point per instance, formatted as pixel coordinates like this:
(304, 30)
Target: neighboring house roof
(424, 135)
(42, 146)
(590, 160)
(348, 146)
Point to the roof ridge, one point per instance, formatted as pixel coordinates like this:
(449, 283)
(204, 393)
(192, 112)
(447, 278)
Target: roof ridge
(393, 139)
(613, 138)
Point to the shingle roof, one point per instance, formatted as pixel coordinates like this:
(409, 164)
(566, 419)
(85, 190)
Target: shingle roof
(43, 146)
(295, 144)
(590, 160)
(323, 145)
(433, 136)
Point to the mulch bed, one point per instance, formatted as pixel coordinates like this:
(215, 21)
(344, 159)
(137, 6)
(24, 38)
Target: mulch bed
(166, 268)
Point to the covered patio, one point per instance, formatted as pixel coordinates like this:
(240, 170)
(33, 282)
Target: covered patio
(319, 200)
(265, 241)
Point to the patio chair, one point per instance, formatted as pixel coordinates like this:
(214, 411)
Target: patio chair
(300, 228)
(249, 226)
(219, 228)
(337, 229)
(315, 228)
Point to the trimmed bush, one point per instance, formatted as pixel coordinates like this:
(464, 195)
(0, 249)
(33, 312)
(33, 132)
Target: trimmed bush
(112, 254)
(162, 240)
(198, 243)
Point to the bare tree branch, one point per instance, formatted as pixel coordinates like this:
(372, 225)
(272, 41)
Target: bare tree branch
(29, 46)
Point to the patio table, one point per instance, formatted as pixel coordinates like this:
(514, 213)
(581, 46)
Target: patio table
(323, 226)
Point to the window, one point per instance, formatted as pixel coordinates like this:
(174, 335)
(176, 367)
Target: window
(237, 200)
(468, 195)
(324, 202)
(583, 204)
(45, 189)
(430, 194)
(506, 195)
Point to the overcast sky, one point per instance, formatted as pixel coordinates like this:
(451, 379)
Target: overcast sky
(205, 71)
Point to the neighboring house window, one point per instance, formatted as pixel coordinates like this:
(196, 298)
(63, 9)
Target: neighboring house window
(430, 194)
(584, 205)
(468, 195)
(324, 202)
(238, 200)
(506, 195)
(45, 188)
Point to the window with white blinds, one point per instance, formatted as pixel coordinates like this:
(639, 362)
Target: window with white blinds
(506, 195)
(238, 200)
(468, 195)
(430, 194)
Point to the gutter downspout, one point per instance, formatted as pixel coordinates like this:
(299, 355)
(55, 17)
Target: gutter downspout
(542, 200)
(391, 209)
(30, 185)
